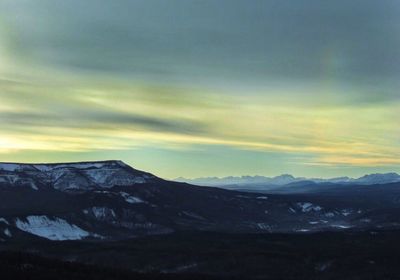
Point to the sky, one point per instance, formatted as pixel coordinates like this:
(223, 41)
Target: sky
(198, 88)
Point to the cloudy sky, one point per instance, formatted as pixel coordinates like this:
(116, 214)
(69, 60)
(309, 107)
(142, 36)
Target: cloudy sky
(203, 87)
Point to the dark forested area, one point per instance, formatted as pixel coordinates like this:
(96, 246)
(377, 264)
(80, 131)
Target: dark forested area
(191, 255)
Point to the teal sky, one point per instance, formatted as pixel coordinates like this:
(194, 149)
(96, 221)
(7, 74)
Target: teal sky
(203, 87)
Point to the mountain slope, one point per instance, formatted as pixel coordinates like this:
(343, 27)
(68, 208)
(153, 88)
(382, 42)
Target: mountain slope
(110, 200)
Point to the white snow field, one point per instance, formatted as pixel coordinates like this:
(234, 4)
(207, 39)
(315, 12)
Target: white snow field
(53, 229)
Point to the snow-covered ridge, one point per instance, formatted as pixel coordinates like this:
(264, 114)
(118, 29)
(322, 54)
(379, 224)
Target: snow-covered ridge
(72, 176)
(5, 166)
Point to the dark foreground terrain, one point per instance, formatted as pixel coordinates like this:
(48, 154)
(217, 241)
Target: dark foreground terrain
(107, 220)
(189, 255)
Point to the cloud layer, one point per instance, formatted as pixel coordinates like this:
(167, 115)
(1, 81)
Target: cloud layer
(313, 82)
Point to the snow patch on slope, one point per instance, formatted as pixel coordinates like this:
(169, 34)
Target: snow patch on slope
(346, 212)
(53, 229)
(131, 199)
(264, 226)
(101, 213)
(307, 207)
(341, 226)
(7, 232)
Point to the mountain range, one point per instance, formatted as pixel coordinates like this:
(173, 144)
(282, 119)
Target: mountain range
(110, 200)
(267, 183)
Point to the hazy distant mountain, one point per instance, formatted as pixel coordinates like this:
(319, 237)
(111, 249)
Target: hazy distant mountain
(286, 179)
(243, 180)
(378, 179)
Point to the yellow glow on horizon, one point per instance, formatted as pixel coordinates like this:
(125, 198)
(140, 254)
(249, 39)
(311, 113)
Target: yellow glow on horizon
(331, 134)
(346, 144)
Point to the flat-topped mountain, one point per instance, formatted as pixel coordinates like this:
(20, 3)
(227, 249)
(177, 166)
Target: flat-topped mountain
(72, 176)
